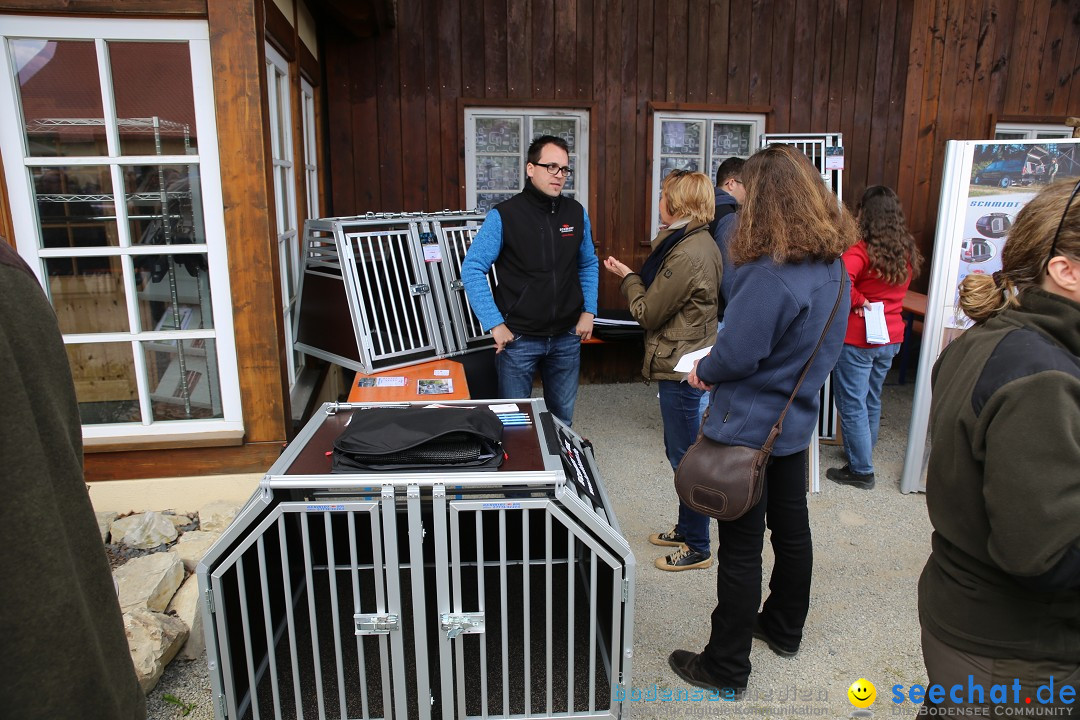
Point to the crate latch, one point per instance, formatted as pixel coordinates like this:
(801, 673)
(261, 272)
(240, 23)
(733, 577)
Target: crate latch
(373, 624)
(420, 289)
(462, 624)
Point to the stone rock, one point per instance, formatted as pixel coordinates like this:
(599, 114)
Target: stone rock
(178, 520)
(143, 531)
(193, 545)
(187, 604)
(150, 581)
(104, 521)
(216, 516)
(153, 639)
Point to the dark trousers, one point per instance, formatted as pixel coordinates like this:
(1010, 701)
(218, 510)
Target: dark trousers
(738, 579)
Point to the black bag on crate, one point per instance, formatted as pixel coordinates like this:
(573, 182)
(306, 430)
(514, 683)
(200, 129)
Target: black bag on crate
(414, 438)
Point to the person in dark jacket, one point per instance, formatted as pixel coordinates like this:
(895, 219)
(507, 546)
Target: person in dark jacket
(64, 653)
(999, 598)
(788, 281)
(540, 244)
(730, 194)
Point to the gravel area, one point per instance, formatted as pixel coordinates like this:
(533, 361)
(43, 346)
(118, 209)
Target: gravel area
(869, 548)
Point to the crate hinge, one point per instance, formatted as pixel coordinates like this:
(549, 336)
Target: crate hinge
(461, 624)
(375, 624)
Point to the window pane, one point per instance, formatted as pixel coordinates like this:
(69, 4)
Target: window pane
(501, 135)
(731, 139)
(88, 294)
(61, 97)
(680, 137)
(677, 163)
(486, 201)
(155, 109)
(1010, 136)
(75, 206)
(104, 375)
(173, 292)
(558, 127)
(147, 202)
(498, 173)
(183, 386)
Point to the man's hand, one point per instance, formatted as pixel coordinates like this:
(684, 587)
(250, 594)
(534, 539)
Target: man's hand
(695, 381)
(584, 326)
(502, 336)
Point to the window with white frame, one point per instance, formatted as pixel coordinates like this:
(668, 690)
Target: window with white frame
(311, 157)
(496, 147)
(111, 163)
(288, 242)
(699, 142)
(1031, 131)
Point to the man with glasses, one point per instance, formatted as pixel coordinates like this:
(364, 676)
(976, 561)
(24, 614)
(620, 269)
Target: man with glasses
(730, 194)
(540, 244)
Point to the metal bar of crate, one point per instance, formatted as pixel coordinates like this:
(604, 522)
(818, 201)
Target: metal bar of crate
(290, 617)
(416, 574)
(305, 535)
(268, 627)
(331, 562)
(245, 624)
(396, 658)
(442, 600)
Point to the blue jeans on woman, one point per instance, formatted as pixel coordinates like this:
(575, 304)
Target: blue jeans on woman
(558, 359)
(857, 380)
(680, 409)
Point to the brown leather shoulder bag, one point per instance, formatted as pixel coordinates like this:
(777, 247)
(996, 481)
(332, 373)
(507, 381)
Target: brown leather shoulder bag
(725, 481)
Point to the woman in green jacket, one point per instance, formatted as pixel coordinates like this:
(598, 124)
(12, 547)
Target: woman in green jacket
(675, 297)
(999, 598)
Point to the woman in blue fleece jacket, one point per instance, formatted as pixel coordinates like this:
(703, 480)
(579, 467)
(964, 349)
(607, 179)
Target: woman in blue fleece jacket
(789, 275)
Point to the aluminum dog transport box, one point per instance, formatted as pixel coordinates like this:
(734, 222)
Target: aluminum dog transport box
(436, 594)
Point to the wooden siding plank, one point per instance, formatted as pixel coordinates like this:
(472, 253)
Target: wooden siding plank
(739, 59)
(494, 42)
(823, 37)
(451, 136)
(565, 49)
(719, 12)
(897, 85)
(411, 160)
(986, 31)
(472, 44)
(880, 107)
(928, 118)
(856, 160)
(604, 135)
(677, 50)
(962, 78)
(761, 51)
(542, 58)
(1002, 19)
(519, 41)
(628, 176)
(1019, 31)
(180, 462)
(236, 50)
(781, 90)
(1036, 49)
(339, 107)
(643, 157)
(802, 64)
(389, 94)
(432, 198)
(585, 42)
(1068, 73)
(660, 46)
(697, 56)
(850, 82)
(364, 138)
(1055, 41)
(838, 28)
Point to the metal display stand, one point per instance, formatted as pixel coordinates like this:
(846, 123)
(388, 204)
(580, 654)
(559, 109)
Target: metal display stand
(395, 280)
(423, 594)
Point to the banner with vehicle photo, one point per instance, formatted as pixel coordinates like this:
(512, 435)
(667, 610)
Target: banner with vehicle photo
(985, 184)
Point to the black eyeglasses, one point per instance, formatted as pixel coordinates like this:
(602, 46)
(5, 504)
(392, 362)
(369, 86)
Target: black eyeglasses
(556, 169)
(1053, 245)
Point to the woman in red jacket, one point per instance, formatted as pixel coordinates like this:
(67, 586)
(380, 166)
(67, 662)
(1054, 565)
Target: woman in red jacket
(881, 266)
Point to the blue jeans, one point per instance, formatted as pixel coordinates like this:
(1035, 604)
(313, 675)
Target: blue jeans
(558, 358)
(858, 377)
(680, 409)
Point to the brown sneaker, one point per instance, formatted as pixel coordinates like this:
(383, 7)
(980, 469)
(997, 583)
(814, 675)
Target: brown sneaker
(672, 538)
(684, 559)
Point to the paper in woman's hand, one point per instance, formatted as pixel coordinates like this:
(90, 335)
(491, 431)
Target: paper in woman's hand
(877, 330)
(686, 362)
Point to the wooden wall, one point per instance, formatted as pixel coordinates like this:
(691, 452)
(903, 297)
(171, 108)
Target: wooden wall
(975, 63)
(396, 101)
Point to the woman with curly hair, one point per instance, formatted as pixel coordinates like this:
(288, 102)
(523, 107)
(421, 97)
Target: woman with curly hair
(999, 598)
(881, 266)
(787, 286)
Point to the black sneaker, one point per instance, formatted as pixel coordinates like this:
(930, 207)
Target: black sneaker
(684, 559)
(760, 634)
(672, 538)
(844, 476)
(689, 667)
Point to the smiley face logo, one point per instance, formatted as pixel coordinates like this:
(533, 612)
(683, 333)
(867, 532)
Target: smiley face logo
(862, 693)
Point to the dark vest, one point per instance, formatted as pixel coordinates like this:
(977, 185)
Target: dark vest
(539, 288)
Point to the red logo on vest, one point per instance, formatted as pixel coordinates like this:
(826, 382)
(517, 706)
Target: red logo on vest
(567, 229)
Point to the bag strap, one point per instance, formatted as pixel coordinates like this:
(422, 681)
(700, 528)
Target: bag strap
(775, 433)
